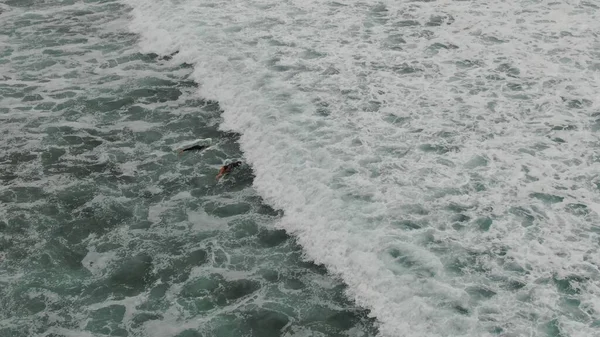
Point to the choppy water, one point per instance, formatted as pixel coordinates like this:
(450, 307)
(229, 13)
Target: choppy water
(104, 230)
(439, 160)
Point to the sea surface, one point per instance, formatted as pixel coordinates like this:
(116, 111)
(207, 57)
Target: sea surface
(411, 168)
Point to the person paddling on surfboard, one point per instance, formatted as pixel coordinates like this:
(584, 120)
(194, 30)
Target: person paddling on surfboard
(192, 148)
(225, 169)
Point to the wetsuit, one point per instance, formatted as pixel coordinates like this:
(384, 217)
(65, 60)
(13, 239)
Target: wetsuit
(195, 147)
(230, 167)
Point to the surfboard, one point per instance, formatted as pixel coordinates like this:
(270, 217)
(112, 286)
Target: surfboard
(200, 141)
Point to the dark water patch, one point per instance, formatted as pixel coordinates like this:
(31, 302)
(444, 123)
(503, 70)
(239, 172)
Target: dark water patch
(575, 310)
(189, 333)
(97, 220)
(438, 46)
(84, 169)
(477, 161)
(578, 209)
(148, 137)
(508, 70)
(467, 64)
(12, 93)
(547, 198)
(269, 275)
(22, 3)
(150, 58)
(465, 263)
(525, 215)
(397, 120)
(32, 98)
(514, 86)
(133, 275)
(45, 106)
(281, 68)
(335, 322)
(179, 268)
(569, 285)
(230, 210)
(7, 176)
(64, 255)
(244, 228)
(564, 127)
(480, 292)
(272, 238)
(394, 41)
(188, 84)
(18, 158)
(19, 194)
(144, 317)
(577, 103)
(186, 65)
(156, 95)
(407, 23)
(476, 186)
(378, 14)
(24, 305)
(236, 289)
(513, 285)
(552, 328)
(41, 64)
(415, 209)
(108, 104)
(294, 283)
(260, 207)
(406, 260)
(17, 224)
(438, 149)
(107, 321)
(460, 218)
(589, 4)
(484, 223)
(405, 69)
(438, 20)
(63, 95)
(83, 142)
(219, 290)
(490, 39)
(461, 309)
(310, 54)
(265, 323)
(409, 224)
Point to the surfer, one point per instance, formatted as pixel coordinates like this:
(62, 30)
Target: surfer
(192, 148)
(225, 169)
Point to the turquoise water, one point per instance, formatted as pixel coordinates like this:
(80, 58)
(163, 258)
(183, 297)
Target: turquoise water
(104, 230)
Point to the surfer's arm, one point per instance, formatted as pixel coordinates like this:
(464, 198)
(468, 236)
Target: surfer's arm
(221, 173)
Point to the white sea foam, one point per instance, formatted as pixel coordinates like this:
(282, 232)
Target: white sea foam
(438, 156)
(96, 262)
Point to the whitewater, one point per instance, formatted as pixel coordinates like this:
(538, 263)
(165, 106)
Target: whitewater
(441, 157)
(411, 168)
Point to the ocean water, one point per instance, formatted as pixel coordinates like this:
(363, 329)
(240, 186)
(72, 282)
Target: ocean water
(105, 231)
(422, 168)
